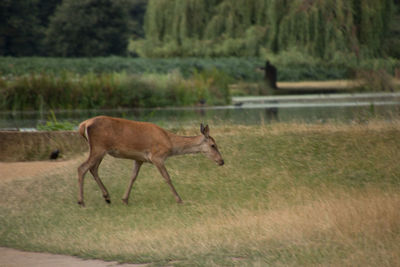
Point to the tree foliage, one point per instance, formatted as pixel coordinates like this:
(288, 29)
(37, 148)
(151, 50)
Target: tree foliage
(251, 27)
(136, 10)
(22, 26)
(88, 28)
(17, 27)
(327, 29)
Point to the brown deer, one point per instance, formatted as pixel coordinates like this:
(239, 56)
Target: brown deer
(142, 142)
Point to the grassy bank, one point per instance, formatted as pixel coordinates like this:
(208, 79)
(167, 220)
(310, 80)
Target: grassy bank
(289, 194)
(34, 146)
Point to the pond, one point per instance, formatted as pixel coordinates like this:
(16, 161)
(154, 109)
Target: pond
(246, 114)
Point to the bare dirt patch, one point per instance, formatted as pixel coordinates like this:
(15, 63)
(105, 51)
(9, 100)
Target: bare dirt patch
(15, 258)
(21, 170)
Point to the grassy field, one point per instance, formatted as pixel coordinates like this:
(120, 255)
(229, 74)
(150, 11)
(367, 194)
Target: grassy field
(289, 194)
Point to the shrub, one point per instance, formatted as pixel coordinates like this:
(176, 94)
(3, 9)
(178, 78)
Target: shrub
(52, 124)
(372, 81)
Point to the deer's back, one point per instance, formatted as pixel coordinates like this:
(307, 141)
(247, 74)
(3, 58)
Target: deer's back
(125, 138)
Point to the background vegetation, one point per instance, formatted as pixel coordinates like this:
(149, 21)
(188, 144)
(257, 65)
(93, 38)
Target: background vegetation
(197, 47)
(324, 29)
(165, 28)
(304, 195)
(113, 90)
(69, 28)
(292, 66)
(115, 82)
(70, 31)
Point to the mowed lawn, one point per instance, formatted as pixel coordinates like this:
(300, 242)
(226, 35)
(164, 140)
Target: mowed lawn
(288, 194)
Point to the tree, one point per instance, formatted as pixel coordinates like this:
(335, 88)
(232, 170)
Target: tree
(136, 10)
(22, 26)
(245, 27)
(19, 28)
(88, 28)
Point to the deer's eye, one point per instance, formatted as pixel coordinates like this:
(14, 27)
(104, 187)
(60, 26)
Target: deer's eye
(213, 146)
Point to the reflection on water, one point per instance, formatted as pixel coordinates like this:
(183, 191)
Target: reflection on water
(175, 117)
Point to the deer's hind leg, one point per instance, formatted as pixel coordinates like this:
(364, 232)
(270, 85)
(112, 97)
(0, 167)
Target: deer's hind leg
(92, 162)
(94, 170)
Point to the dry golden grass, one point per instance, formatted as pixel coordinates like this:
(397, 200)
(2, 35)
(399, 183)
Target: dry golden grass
(339, 228)
(312, 85)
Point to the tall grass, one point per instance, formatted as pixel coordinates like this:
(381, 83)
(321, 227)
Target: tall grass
(289, 194)
(112, 90)
(242, 68)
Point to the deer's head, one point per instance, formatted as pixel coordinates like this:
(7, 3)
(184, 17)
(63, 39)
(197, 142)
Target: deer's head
(209, 147)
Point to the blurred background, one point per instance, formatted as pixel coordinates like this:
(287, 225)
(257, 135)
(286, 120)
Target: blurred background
(171, 60)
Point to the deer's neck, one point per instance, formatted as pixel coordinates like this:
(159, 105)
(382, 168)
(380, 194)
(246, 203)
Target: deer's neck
(186, 144)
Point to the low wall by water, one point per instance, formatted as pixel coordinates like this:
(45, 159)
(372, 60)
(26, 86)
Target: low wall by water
(32, 146)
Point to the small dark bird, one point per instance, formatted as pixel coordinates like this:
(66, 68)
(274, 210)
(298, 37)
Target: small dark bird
(54, 154)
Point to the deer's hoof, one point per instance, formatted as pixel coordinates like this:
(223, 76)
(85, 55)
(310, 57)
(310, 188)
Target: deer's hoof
(107, 199)
(125, 201)
(81, 203)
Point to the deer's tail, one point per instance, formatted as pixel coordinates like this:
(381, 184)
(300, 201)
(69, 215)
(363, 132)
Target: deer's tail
(83, 130)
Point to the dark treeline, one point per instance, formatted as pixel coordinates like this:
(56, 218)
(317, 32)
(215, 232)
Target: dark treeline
(69, 28)
(197, 28)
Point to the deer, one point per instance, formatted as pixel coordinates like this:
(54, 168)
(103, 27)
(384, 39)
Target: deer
(143, 142)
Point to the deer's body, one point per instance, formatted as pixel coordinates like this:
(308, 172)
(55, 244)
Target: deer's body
(140, 141)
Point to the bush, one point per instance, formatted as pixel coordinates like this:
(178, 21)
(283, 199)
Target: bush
(52, 124)
(372, 81)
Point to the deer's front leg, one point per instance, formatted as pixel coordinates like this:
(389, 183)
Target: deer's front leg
(136, 169)
(161, 168)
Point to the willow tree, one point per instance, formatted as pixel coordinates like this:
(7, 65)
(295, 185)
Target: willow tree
(317, 27)
(244, 27)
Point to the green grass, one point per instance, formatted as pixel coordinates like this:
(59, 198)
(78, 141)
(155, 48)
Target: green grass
(289, 194)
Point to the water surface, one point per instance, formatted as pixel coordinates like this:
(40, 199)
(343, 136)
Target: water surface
(249, 114)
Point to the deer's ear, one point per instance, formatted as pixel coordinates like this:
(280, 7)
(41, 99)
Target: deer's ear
(205, 130)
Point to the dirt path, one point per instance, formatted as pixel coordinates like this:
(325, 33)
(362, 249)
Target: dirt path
(15, 258)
